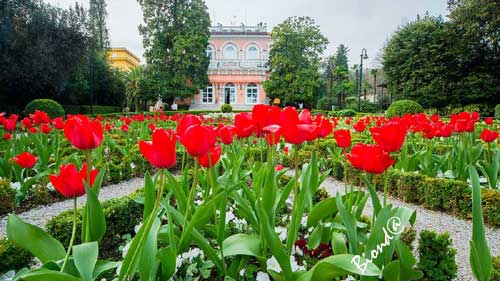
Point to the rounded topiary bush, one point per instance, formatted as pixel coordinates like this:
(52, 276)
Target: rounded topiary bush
(325, 103)
(51, 107)
(402, 107)
(226, 108)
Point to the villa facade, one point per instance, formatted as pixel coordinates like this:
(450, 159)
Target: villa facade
(122, 59)
(238, 65)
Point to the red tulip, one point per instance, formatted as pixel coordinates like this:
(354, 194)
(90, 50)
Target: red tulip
(342, 138)
(305, 117)
(33, 130)
(58, 123)
(7, 136)
(244, 125)
(160, 152)
(107, 127)
(370, 158)
(488, 120)
(26, 122)
(40, 117)
(70, 181)
(278, 167)
(274, 135)
(265, 115)
(391, 136)
(186, 122)
(360, 126)
(25, 160)
(324, 126)
(45, 128)
(83, 133)
(489, 135)
(10, 124)
(124, 128)
(151, 126)
(226, 134)
(214, 154)
(292, 128)
(198, 140)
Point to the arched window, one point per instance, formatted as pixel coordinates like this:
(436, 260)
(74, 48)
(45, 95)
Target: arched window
(210, 52)
(230, 52)
(252, 53)
(252, 95)
(207, 94)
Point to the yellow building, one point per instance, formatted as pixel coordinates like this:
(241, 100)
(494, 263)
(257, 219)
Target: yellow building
(122, 59)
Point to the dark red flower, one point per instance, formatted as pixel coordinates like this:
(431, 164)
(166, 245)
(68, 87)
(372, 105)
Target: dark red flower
(489, 135)
(83, 133)
(370, 158)
(160, 152)
(25, 160)
(343, 138)
(70, 181)
(390, 136)
(211, 158)
(198, 140)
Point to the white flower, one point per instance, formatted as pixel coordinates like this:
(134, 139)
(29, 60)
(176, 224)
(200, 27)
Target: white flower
(229, 217)
(15, 185)
(242, 272)
(50, 186)
(283, 233)
(125, 249)
(272, 264)
(137, 227)
(191, 254)
(132, 165)
(198, 202)
(297, 251)
(303, 221)
(261, 276)
(118, 268)
(295, 266)
(178, 262)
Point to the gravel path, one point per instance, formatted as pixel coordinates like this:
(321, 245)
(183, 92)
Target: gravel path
(460, 230)
(41, 215)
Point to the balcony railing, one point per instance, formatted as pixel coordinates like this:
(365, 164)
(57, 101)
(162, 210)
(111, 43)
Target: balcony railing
(238, 65)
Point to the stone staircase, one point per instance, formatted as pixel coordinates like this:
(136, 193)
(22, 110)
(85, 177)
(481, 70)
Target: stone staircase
(215, 107)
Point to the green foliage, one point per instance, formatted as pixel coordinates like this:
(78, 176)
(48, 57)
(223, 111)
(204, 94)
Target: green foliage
(226, 108)
(402, 107)
(344, 113)
(495, 274)
(437, 62)
(437, 257)
(294, 60)
(51, 107)
(13, 257)
(175, 36)
(497, 111)
(121, 215)
(7, 197)
(365, 106)
(325, 103)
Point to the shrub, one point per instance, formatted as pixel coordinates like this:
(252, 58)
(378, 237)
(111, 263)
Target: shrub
(497, 111)
(122, 215)
(495, 273)
(344, 113)
(402, 107)
(13, 257)
(325, 103)
(51, 107)
(7, 197)
(364, 106)
(86, 109)
(437, 257)
(226, 108)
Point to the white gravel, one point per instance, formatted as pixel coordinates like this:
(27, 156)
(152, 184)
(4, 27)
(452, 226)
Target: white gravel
(41, 215)
(460, 230)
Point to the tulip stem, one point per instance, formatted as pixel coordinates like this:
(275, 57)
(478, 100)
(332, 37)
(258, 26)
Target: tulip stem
(73, 234)
(385, 188)
(296, 185)
(190, 198)
(88, 160)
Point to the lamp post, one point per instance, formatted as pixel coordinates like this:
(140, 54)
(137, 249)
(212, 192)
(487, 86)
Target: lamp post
(363, 56)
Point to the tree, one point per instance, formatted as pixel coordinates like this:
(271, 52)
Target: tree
(294, 60)
(175, 37)
(97, 25)
(420, 63)
(132, 86)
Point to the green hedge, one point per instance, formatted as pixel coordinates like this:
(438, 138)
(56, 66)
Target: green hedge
(436, 256)
(497, 111)
(51, 107)
(85, 109)
(7, 197)
(122, 215)
(13, 257)
(226, 108)
(402, 107)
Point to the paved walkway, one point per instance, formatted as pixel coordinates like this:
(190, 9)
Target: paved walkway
(39, 216)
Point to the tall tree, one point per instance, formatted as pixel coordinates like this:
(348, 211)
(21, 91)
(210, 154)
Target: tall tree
(341, 56)
(175, 37)
(99, 32)
(294, 60)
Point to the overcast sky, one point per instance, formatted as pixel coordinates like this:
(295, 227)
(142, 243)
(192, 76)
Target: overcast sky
(355, 23)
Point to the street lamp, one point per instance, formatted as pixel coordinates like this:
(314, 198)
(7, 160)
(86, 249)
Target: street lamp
(363, 56)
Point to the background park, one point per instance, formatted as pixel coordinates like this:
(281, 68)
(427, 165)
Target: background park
(214, 149)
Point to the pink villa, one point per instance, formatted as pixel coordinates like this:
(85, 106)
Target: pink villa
(238, 66)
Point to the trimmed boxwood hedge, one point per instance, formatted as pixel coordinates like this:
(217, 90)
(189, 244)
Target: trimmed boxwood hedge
(13, 257)
(51, 107)
(98, 109)
(402, 107)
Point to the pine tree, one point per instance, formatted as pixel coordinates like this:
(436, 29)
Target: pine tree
(99, 32)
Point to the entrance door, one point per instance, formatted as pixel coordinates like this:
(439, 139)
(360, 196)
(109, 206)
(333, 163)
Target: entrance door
(230, 93)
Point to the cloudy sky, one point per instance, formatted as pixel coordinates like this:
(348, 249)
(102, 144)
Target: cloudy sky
(355, 23)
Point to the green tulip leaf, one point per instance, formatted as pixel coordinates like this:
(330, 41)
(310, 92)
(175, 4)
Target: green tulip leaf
(34, 239)
(324, 209)
(95, 223)
(168, 259)
(85, 258)
(242, 244)
(47, 275)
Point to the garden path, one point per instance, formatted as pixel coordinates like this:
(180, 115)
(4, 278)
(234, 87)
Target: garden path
(41, 215)
(460, 230)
